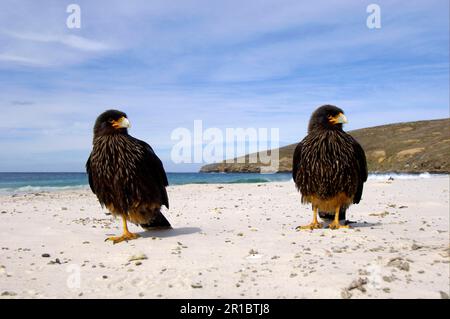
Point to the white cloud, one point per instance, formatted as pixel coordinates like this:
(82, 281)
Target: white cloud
(69, 40)
(18, 59)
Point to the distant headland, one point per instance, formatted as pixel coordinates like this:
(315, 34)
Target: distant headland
(409, 147)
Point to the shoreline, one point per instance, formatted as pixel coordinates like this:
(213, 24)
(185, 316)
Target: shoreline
(29, 189)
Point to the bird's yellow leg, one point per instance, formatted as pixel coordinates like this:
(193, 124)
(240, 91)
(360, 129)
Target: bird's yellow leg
(335, 223)
(314, 224)
(126, 234)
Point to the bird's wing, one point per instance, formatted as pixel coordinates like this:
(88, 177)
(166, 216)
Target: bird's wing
(296, 160)
(155, 168)
(89, 172)
(362, 170)
(160, 168)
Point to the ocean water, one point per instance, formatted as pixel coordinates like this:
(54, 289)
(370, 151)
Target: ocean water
(36, 182)
(11, 183)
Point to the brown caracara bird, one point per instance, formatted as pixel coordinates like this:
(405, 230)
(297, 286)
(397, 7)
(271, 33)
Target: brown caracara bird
(126, 175)
(329, 167)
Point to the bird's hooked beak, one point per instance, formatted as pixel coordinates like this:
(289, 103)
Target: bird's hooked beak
(121, 123)
(338, 119)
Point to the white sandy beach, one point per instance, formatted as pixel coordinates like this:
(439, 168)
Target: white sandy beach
(230, 241)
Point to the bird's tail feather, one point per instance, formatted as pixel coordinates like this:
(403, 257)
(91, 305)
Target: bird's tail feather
(158, 221)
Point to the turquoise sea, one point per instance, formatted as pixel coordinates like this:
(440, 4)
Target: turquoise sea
(35, 182)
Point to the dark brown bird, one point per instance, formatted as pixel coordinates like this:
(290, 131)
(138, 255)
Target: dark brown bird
(126, 175)
(329, 167)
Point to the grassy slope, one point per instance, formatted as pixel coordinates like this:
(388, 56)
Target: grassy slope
(422, 146)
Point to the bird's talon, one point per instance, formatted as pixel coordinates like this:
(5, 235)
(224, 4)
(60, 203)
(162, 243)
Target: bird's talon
(313, 225)
(337, 225)
(124, 237)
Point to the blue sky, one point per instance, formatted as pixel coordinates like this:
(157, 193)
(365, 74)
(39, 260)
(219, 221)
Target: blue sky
(229, 63)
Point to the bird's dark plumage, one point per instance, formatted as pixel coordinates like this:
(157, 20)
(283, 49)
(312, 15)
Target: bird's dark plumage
(329, 166)
(125, 173)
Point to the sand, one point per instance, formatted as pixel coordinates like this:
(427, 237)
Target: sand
(230, 241)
